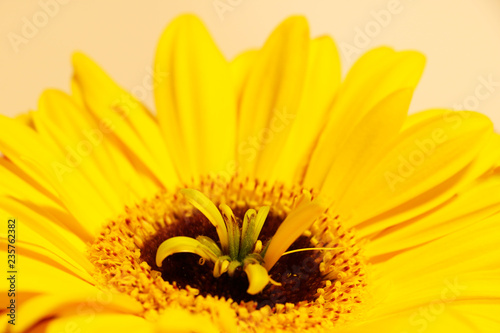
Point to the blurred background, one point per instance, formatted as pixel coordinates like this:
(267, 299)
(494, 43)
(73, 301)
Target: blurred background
(461, 39)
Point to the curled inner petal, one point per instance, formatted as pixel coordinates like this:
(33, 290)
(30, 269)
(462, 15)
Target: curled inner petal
(183, 244)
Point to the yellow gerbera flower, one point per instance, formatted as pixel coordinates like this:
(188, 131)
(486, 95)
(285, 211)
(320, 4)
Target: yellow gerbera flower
(267, 195)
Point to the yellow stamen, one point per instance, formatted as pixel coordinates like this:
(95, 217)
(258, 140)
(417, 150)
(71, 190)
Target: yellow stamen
(221, 266)
(258, 247)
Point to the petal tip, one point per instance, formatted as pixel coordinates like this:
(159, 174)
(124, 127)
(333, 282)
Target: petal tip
(294, 24)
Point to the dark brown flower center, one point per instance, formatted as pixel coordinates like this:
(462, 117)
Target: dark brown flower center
(298, 273)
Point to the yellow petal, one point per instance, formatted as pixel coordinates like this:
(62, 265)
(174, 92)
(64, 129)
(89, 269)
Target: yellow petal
(422, 206)
(132, 180)
(435, 316)
(260, 219)
(320, 85)
(423, 158)
(93, 321)
(297, 221)
(471, 249)
(76, 302)
(126, 117)
(17, 184)
(422, 285)
(207, 208)
(471, 205)
(39, 229)
(272, 93)
(74, 266)
(27, 150)
(373, 77)
(181, 244)
(240, 71)
(70, 130)
(470, 288)
(33, 179)
(369, 140)
(41, 277)
(210, 244)
(196, 102)
(26, 118)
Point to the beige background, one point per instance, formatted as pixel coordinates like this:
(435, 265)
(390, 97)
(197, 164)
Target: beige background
(461, 39)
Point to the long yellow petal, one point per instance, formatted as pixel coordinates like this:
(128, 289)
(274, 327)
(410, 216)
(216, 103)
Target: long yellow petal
(297, 221)
(181, 244)
(320, 85)
(368, 142)
(17, 184)
(41, 277)
(37, 227)
(240, 71)
(93, 321)
(272, 91)
(41, 307)
(440, 282)
(27, 150)
(423, 158)
(207, 207)
(435, 316)
(377, 74)
(66, 127)
(471, 249)
(131, 177)
(126, 117)
(196, 103)
(473, 204)
(75, 266)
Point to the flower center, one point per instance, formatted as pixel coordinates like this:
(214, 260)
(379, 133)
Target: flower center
(238, 248)
(296, 276)
(261, 253)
